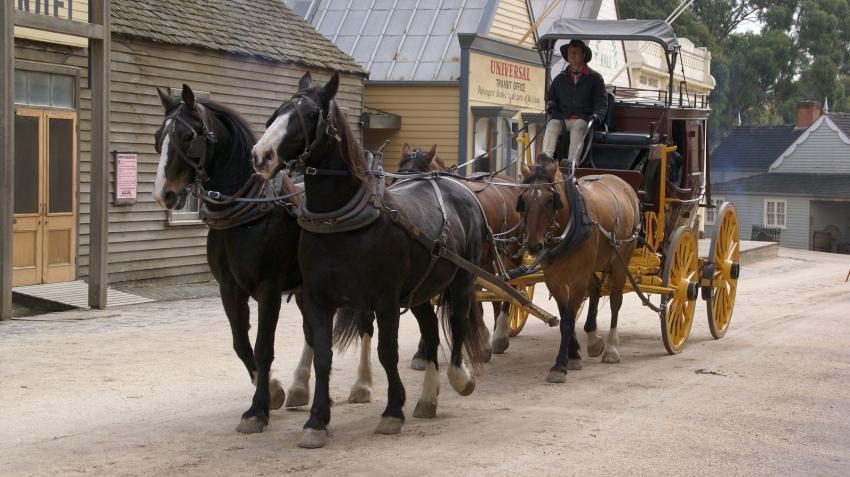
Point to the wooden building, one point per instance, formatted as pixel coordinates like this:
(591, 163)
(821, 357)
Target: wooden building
(248, 54)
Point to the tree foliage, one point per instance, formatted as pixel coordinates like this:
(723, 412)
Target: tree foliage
(799, 50)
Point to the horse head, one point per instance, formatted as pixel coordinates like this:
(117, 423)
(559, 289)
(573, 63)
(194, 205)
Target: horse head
(417, 160)
(542, 203)
(300, 127)
(182, 143)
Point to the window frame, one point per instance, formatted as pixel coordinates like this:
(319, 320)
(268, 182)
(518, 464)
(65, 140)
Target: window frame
(775, 213)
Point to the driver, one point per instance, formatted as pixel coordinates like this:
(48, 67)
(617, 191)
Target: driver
(576, 96)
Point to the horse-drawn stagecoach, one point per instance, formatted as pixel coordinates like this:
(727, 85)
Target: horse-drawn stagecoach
(350, 246)
(656, 142)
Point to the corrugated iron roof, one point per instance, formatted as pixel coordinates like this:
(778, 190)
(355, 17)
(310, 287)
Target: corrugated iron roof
(263, 28)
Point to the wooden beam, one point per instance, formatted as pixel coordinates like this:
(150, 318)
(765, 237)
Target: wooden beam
(99, 80)
(59, 25)
(7, 153)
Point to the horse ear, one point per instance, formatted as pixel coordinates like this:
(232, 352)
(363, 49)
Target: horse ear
(167, 101)
(520, 205)
(526, 171)
(332, 87)
(433, 152)
(405, 149)
(551, 169)
(188, 96)
(304, 82)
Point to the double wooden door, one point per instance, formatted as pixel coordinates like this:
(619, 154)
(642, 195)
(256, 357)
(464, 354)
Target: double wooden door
(45, 215)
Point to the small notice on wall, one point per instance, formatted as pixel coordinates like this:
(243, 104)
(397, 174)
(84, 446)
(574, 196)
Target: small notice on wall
(126, 177)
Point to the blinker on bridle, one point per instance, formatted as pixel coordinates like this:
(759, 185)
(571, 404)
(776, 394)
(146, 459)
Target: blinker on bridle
(196, 155)
(323, 124)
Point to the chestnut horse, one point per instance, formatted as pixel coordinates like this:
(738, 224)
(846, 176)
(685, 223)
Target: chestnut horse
(601, 216)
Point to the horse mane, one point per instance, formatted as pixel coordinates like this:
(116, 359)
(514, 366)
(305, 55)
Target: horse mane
(243, 134)
(352, 154)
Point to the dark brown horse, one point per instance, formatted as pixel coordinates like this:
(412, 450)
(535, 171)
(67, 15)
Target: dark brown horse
(497, 197)
(602, 239)
(251, 252)
(363, 250)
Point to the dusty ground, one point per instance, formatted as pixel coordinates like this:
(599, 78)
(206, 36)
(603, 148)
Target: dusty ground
(155, 389)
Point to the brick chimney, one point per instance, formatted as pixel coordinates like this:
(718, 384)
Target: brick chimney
(807, 113)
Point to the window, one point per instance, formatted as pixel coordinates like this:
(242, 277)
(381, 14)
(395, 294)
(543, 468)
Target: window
(711, 214)
(774, 212)
(33, 88)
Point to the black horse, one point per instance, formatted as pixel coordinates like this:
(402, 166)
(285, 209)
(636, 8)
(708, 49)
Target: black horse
(251, 247)
(355, 253)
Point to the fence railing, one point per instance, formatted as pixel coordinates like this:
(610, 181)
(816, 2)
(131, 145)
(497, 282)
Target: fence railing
(765, 233)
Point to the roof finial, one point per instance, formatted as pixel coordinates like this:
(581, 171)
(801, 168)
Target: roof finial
(826, 104)
(739, 118)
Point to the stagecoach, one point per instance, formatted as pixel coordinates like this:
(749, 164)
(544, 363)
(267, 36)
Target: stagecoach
(655, 140)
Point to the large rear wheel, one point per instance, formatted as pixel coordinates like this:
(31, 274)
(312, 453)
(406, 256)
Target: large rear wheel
(722, 268)
(681, 273)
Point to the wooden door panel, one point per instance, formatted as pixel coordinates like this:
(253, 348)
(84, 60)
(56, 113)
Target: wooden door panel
(26, 251)
(60, 198)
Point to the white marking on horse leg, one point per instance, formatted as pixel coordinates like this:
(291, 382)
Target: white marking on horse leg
(427, 405)
(612, 354)
(159, 182)
(595, 344)
(299, 392)
(271, 140)
(502, 336)
(361, 391)
(461, 380)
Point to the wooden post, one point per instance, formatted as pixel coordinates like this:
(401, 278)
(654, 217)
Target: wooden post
(99, 81)
(7, 152)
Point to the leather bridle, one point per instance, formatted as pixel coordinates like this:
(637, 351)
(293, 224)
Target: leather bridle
(196, 155)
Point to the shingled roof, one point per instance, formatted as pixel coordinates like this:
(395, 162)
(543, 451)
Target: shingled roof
(842, 120)
(263, 28)
(753, 147)
(807, 185)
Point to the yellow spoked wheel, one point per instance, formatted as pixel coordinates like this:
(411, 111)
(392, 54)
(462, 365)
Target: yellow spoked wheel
(682, 275)
(723, 270)
(517, 314)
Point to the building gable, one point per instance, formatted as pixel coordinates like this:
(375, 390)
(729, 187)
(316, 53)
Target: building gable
(822, 149)
(512, 23)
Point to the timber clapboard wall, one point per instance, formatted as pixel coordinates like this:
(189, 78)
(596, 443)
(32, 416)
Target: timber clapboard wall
(511, 23)
(163, 44)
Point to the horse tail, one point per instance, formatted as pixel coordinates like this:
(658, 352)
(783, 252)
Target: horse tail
(349, 326)
(474, 345)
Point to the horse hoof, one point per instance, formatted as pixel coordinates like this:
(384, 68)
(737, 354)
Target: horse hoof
(278, 396)
(297, 396)
(313, 438)
(360, 394)
(611, 357)
(500, 345)
(418, 364)
(574, 364)
(389, 426)
(556, 377)
(425, 410)
(251, 425)
(595, 348)
(467, 389)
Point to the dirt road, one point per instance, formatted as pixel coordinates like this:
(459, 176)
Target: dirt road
(156, 390)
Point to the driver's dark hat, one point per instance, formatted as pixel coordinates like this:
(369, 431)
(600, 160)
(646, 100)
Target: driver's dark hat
(587, 53)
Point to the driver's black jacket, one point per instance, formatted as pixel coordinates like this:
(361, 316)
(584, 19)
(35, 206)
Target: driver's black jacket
(585, 98)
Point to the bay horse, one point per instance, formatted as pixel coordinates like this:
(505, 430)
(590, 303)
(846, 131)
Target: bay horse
(603, 216)
(251, 248)
(497, 197)
(360, 249)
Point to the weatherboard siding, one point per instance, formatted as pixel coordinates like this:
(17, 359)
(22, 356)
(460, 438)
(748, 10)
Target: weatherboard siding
(429, 115)
(822, 152)
(750, 209)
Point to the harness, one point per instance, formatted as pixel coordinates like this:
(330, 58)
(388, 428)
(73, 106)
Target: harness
(196, 155)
